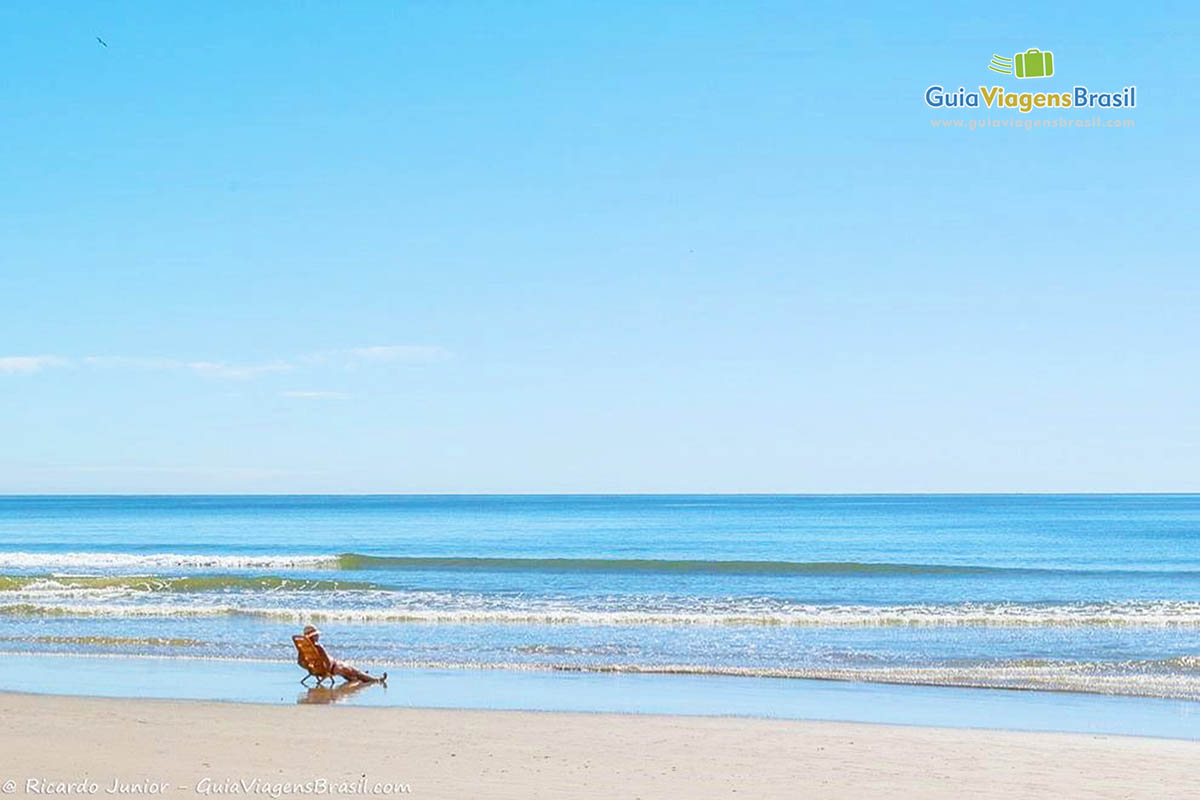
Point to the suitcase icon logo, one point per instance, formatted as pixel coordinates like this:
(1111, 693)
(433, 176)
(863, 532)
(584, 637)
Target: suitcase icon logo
(1033, 63)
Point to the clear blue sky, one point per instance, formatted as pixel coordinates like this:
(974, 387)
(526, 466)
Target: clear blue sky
(263, 247)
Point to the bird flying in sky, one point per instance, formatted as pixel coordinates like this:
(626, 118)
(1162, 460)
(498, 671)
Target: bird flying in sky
(101, 41)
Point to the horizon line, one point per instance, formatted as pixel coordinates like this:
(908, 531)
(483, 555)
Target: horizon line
(1018, 493)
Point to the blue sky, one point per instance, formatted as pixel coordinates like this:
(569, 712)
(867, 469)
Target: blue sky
(373, 247)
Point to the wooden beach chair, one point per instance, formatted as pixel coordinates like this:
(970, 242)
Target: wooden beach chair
(313, 659)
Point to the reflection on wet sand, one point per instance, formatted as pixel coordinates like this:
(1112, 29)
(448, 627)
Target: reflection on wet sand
(325, 695)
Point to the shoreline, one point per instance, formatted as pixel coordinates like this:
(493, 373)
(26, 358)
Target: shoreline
(277, 683)
(850, 676)
(454, 753)
(419, 709)
(1035, 683)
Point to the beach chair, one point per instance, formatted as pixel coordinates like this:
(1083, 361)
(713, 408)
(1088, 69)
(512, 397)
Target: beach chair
(313, 659)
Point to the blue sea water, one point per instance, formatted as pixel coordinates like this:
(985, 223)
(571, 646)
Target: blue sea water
(1089, 593)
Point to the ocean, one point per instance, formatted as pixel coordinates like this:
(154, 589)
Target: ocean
(1084, 593)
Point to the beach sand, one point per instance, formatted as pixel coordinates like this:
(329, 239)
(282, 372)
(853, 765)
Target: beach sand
(505, 754)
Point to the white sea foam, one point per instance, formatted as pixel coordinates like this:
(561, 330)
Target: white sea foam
(418, 608)
(1135, 679)
(134, 561)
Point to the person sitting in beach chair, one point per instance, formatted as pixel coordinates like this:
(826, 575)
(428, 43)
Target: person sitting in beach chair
(312, 657)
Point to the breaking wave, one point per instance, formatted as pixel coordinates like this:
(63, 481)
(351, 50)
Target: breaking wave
(167, 584)
(357, 561)
(729, 613)
(126, 561)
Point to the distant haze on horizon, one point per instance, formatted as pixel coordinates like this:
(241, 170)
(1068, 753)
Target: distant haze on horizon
(638, 248)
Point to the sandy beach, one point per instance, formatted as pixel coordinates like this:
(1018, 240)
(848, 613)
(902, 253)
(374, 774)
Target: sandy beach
(182, 749)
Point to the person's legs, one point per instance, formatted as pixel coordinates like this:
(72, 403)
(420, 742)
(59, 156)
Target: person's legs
(351, 674)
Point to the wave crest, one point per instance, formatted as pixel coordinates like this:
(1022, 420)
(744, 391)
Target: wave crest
(1145, 614)
(358, 562)
(127, 561)
(172, 584)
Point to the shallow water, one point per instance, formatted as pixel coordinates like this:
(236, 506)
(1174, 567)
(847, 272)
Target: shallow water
(264, 682)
